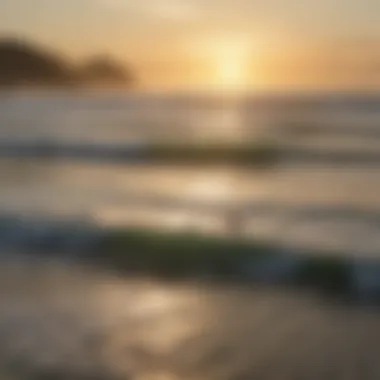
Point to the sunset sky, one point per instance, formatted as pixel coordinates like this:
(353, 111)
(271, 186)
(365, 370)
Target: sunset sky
(232, 43)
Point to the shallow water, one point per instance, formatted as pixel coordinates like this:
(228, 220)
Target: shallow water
(329, 208)
(62, 321)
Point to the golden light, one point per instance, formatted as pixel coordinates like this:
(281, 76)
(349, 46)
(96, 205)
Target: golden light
(228, 59)
(230, 73)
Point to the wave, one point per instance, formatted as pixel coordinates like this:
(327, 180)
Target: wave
(193, 154)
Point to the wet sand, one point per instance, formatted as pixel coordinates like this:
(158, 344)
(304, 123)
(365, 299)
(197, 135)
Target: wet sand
(65, 321)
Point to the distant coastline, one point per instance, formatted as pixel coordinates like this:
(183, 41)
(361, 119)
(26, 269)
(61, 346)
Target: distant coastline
(25, 66)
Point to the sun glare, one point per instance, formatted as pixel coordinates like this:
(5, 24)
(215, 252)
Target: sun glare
(228, 59)
(230, 74)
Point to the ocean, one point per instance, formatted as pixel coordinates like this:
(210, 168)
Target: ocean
(323, 194)
(62, 320)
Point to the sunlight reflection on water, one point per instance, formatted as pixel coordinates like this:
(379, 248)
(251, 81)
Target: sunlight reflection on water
(196, 198)
(79, 323)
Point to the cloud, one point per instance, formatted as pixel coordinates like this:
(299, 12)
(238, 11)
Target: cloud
(176, 10)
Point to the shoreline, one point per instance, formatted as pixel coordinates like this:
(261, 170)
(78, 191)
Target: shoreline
(186, 255)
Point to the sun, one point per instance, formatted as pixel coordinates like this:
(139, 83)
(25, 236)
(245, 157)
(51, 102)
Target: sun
(230, 73)
(228, 60)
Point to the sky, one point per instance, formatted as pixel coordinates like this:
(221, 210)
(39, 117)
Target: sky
(176, 43)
